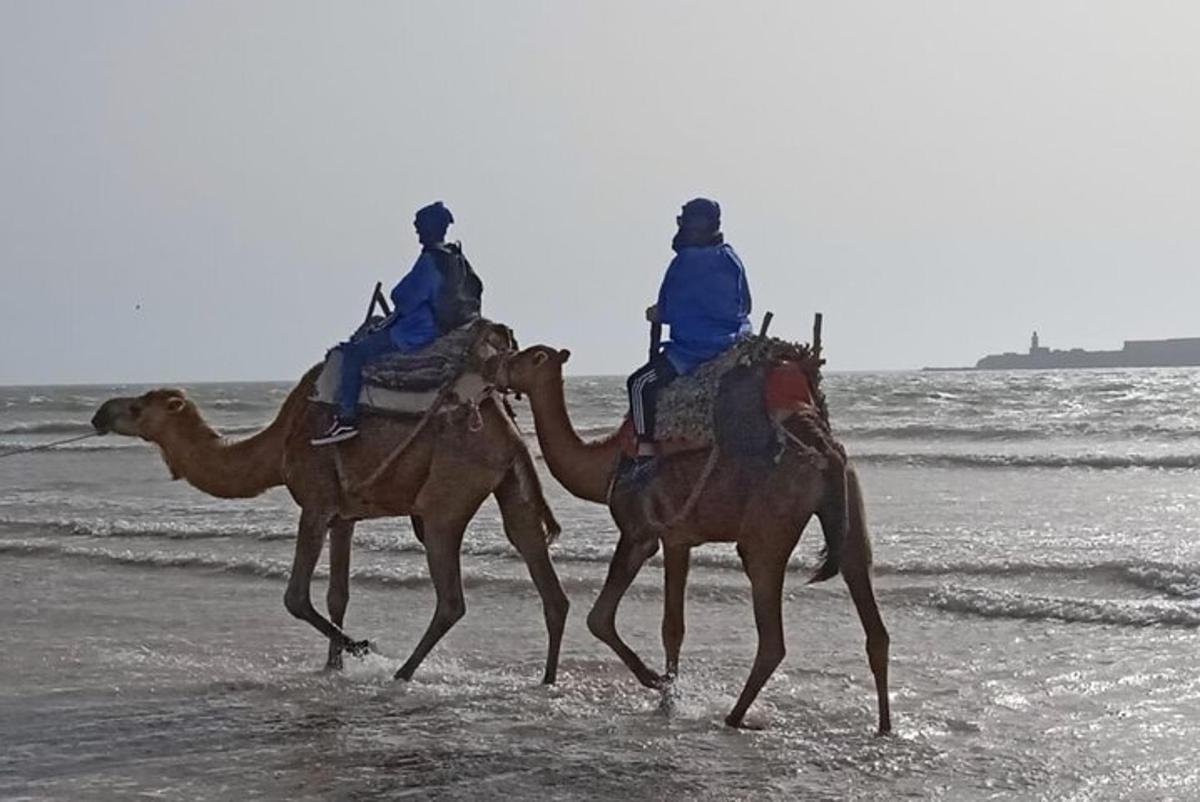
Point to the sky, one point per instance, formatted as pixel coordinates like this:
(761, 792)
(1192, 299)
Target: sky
(209, 191)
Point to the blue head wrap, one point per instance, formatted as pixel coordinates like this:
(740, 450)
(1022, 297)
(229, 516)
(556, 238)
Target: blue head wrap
(431, 223)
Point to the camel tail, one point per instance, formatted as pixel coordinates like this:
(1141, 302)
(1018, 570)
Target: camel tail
(553, 529)
(837, 518)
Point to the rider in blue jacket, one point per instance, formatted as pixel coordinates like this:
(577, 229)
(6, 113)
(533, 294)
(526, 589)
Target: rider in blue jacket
(705, 300)
(412, 325)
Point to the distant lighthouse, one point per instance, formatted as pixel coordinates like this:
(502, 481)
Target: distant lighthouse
(1036, 346)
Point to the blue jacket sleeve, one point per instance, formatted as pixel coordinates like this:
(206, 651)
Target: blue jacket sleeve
(744, 303)
(416, 288)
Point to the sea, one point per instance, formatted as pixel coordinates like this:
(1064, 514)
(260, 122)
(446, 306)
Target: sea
(1037, 555)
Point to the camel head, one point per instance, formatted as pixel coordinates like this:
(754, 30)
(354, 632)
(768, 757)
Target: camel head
(527, 371)
(149, 416)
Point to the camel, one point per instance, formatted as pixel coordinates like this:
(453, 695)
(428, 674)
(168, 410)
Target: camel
(760, 508)
(440, 479)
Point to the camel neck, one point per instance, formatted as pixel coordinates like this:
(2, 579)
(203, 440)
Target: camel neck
(584, 469)
(234, 468)
(225, 468)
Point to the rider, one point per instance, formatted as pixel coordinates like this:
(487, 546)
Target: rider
(704, 298)
(440, 293)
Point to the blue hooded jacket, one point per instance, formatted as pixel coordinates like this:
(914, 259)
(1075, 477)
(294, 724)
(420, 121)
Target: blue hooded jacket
(413, 300)
(705, 299)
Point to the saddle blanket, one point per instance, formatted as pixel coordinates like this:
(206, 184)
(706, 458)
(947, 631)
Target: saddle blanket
(409, 383)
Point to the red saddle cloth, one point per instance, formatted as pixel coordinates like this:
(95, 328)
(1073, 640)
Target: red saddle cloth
(787, 391)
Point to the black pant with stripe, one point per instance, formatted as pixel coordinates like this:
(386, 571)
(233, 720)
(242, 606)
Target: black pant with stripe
(643, 388)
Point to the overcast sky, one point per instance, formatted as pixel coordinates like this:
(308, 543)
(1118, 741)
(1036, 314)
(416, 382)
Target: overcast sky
(196, 191)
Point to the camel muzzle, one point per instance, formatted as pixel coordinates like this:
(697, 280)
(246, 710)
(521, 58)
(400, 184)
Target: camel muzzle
(107, 414)
(100, 421)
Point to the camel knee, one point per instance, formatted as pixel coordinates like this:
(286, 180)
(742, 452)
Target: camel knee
(600, 624)
(451, 610)
(771, 655)
(557, 609)
(297, 602)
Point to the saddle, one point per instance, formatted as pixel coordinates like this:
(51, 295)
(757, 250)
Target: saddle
(737, 400)
(448, 369)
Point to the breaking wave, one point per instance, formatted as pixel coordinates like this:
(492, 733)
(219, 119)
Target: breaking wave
(1170, 580)
(1090, 461)
(969, 431)
(415, 575)
(47, 427)
(107, 443)
(1121, 612)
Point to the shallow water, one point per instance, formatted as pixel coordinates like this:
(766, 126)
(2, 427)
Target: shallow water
(1038, 566)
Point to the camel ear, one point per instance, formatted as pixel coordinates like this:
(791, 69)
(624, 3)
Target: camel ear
(564, 355)
(539, 358)
(176, 405)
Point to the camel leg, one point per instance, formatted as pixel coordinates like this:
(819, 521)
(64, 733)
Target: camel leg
(766, 570)
(443, 545)
(858, 580)
(338, 595)
(309, 540)
(523, 525)
(676, 561)
(626, 561)
(856, 570)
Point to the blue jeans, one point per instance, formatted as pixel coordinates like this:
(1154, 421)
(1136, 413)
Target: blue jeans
(355, 354)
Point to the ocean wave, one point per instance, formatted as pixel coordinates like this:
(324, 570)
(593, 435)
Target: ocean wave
(264, 567)
(974, 432)
(1121, 612)
(168, 530)
(414, 574)
(69, 404)
(240, 405)
(1178, 581)
(96, 444)
(1172, 580)
(1091, 461)
(47, 427)
(927, 431)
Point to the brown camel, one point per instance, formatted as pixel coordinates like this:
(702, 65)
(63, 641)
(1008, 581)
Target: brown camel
(763, 509)
(440, 479)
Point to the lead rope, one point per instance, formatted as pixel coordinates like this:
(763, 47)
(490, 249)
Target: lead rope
(43, 446)
(390, 460)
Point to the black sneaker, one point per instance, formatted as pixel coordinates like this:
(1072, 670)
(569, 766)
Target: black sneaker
(337, 432)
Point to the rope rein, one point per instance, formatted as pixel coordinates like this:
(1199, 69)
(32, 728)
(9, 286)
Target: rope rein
(693, 498)
(43, 446)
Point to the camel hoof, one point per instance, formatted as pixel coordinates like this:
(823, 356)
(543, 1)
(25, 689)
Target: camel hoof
(668, 700)
(334, 663)
(549, 679)
(358, 648)
(742, 724)
(403, 675)
(653, 681)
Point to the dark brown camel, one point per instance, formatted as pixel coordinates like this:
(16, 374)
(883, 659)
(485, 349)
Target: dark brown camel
(763, 510)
